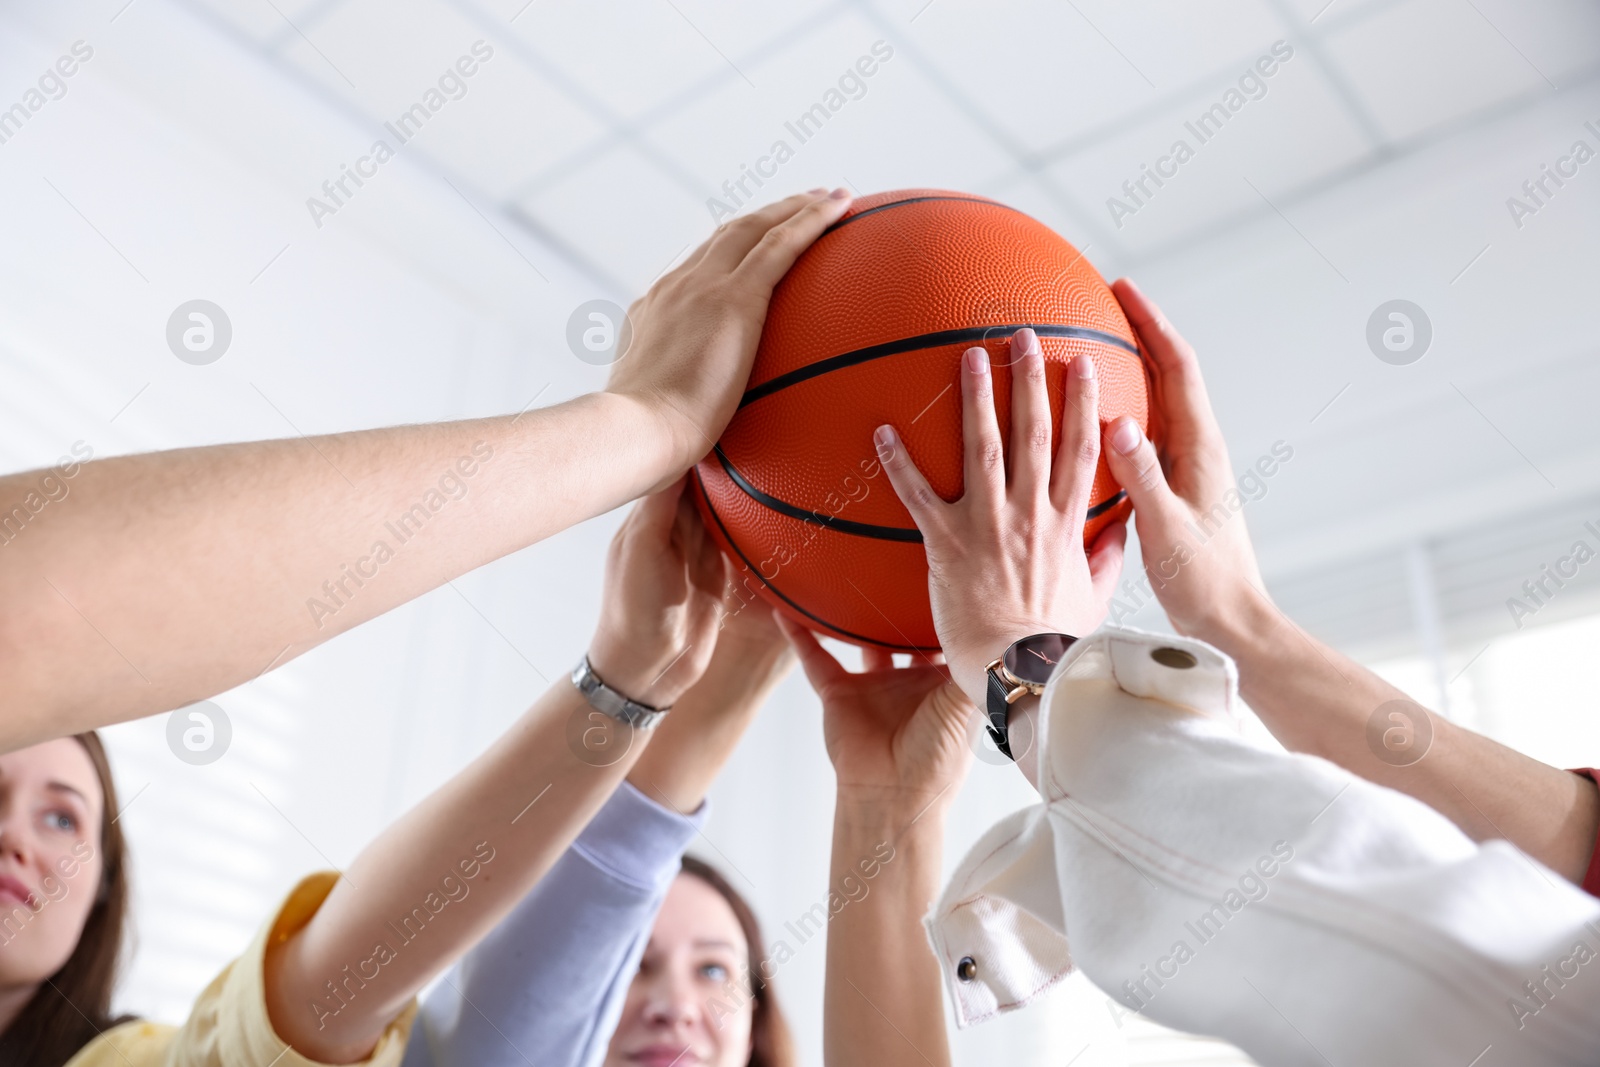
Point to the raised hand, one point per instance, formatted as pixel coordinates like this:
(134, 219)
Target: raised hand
(900, 742)
(1207, 589)
(1007, 559)
(693, 744)
(662, 601)
(695, 331)
(897, 737)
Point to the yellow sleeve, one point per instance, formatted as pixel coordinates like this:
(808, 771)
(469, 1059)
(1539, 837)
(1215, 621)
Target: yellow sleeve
(228, 1026)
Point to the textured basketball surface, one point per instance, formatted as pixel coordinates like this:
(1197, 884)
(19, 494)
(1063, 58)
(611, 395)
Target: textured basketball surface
(869, 328)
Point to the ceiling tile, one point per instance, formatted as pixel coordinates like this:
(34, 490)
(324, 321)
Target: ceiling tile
(1173, 42)
(1035, 100)
(512, 123)
(738, 27)
(491, 128)
(259, 21)
(891, 128)
(1287, 131)
(1325, 15)
(624, 213)
(628, 58)
(1559, 37)
(1084, 65)
(1424, 63)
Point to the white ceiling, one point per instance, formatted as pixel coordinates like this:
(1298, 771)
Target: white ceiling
(1062, 101)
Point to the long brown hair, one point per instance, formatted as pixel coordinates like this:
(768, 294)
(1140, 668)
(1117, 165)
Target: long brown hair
(73, 1006)
(770, 1043)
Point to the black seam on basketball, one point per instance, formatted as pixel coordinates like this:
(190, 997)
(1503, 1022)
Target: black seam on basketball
(1105, 505)
(859, 529)
(913, 200)
(711, 507)
(921, 341)
(794, 511)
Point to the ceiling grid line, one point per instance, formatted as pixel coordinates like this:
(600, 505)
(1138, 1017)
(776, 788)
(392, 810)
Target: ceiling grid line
(555, 172)
(1021, 158)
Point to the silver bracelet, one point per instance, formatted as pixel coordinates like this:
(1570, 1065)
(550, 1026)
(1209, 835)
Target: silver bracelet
(605, 699)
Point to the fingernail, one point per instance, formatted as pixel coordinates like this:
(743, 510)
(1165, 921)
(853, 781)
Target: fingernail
(977, 360)
(883, 438)
(840, 193)
(1083, 367)
(1126, 437)
(1026, 341)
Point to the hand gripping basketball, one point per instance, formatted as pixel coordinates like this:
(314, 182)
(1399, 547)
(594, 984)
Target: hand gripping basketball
(695, 331)
(1007, 559)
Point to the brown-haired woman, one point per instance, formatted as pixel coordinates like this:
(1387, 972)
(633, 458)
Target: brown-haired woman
(700, 982)
(58, 878)
(770, 1044)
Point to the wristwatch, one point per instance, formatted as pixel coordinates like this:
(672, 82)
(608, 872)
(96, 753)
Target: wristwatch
(606, 699)
(1022, 670)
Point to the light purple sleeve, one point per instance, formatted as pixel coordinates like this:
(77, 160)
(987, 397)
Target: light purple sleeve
(546, 986)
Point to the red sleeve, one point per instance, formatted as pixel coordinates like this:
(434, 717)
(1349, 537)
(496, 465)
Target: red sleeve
(1591, 880)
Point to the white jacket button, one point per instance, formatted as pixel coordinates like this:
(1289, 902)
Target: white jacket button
(967, 969)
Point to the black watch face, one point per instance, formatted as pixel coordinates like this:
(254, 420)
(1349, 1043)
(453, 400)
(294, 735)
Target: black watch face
(1033, 659)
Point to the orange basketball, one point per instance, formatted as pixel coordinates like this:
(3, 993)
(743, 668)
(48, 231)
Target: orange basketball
(869, 328)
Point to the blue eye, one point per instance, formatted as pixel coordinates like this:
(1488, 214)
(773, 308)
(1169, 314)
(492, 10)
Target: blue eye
(63, 821)
(715, 971)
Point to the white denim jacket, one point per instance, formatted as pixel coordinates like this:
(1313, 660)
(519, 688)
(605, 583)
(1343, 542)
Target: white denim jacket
(1216, 886)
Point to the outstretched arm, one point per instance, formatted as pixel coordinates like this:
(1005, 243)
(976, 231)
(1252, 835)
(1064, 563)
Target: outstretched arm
(899, 740)
(161, 579)
(1312, 698)
(507, 1003)
(439, 878)
(694, 744)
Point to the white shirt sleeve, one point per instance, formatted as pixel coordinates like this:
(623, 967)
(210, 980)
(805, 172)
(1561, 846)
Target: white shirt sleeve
(1273, 900)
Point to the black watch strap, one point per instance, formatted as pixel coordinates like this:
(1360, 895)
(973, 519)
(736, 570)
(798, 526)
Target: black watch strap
(999, 711)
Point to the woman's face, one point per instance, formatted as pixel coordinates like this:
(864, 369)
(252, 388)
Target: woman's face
(690, 1003)
(50, 811)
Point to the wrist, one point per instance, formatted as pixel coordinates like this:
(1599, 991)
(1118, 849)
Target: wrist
(672, 443)
(661, 453)
(638, 678)
(892, 810)
(970, 665)
(737, 690)
(1248, 627)
(898, 861)
(727, 697)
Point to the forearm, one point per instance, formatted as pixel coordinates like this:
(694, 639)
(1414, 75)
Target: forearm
(435, 882)
(1181, 892)
(161, 579)
(883, 1003)
(1318, 701)
(697, 738)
